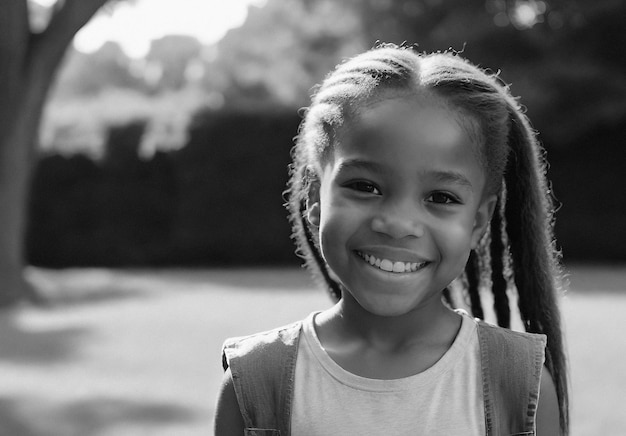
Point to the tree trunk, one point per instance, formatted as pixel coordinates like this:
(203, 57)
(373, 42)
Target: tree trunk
(28, 63)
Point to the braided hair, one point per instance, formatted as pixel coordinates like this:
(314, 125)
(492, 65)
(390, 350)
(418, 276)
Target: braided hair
(518, 252)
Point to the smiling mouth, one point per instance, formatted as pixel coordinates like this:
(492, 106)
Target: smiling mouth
(391, 266)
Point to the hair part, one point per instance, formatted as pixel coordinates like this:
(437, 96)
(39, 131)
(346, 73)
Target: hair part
(521, 234)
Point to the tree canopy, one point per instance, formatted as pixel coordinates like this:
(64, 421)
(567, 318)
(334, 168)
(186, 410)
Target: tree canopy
(562, 57)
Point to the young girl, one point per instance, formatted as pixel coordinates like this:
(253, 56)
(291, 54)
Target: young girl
(411, 171)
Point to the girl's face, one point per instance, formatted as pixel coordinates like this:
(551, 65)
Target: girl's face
(399, 205)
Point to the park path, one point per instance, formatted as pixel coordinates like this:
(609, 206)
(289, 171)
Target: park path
(131, 353)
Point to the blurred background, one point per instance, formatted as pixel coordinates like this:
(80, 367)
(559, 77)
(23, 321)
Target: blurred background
(153, 225)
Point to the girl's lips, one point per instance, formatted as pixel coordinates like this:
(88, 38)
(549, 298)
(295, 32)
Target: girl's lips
(390, 265)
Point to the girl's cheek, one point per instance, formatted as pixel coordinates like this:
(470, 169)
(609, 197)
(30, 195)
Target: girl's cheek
(456, 234)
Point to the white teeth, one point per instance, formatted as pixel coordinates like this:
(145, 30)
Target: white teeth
(398, 267)
(389, 266)
(386, 265)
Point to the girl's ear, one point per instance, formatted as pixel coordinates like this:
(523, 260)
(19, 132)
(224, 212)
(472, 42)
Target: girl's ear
(313, 202)
(482, 219)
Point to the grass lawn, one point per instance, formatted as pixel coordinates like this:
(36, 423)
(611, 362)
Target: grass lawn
(138, 352)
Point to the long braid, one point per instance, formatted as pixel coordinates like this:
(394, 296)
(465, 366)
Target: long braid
(334, 288)
(472, 270)
(306, 246)
(498, 281)
(447, 296)
(529, 229)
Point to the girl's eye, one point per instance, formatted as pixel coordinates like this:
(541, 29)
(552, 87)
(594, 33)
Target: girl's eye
(442, 198)
(362, 186)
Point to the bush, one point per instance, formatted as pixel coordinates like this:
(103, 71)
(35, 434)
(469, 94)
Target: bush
(216, 201)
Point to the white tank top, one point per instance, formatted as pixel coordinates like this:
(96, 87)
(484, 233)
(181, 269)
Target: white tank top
(444, 400)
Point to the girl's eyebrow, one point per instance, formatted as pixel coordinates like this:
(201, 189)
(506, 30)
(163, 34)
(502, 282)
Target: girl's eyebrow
(452, 177)
(360, 164)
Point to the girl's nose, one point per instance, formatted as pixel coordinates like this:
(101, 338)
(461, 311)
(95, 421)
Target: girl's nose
(398, 223)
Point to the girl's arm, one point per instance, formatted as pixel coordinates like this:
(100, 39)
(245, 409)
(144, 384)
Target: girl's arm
(547, 407)
(228, 420)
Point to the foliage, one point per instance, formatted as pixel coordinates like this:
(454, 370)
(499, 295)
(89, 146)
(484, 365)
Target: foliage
(79, 125)
(562, 57)
(279, 67)
(104, 88)
(173, 57)
(87, 75)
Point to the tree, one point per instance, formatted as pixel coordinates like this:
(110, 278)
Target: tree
(88, 74)
(28, 62)
(172, 55)
(259, 69)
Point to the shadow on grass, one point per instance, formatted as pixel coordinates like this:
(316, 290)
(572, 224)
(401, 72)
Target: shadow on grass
(37, 346)
(241, 278)
(32, 417)
(80, 286)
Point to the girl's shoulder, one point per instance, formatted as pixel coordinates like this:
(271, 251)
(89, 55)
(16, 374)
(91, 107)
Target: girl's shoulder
(501, 335)
(272, 344)
(493, 333)
(259, 364)
(511, 370)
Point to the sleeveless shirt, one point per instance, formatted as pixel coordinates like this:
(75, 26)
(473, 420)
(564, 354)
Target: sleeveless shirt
(263, 367)
(444, 400)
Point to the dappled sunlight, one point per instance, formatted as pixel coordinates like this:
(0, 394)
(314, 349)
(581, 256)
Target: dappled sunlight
(28, 343)
(99, 416)
(267, 278)
(71, 285)
(88, 285)
(148, 362)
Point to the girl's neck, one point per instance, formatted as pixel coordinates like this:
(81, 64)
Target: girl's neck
(348, 321)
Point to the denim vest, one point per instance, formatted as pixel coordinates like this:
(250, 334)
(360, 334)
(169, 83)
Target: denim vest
(263, 367)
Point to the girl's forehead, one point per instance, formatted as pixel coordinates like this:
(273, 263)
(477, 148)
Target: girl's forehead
(404, 100)
(422, 117)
